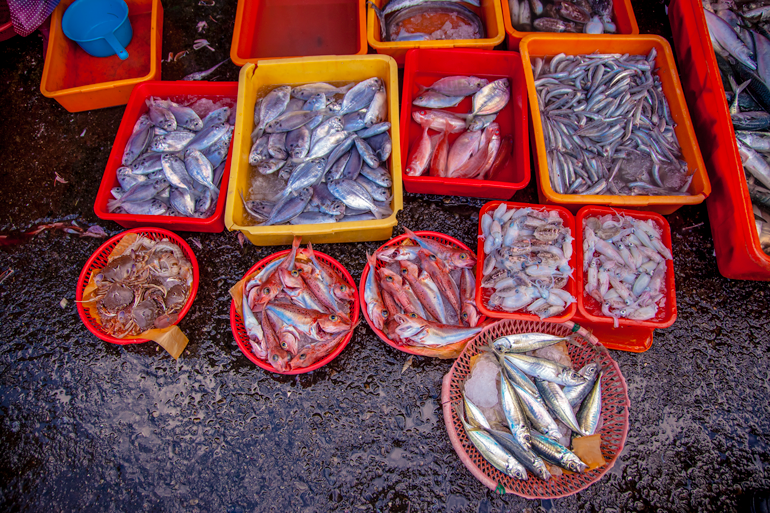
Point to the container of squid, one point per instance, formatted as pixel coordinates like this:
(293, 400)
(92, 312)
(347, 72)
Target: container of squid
(736, 241)
(271, 29)
(487, 13)
(254, 84)
(619, 149)
(509, 170)
(625, 273)
(604, 16)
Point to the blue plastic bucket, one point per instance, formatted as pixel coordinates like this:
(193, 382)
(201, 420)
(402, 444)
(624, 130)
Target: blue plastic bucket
(100, 27)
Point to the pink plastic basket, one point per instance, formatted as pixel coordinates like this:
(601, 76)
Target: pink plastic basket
(615, 406)
(99, 260)
(242, 338)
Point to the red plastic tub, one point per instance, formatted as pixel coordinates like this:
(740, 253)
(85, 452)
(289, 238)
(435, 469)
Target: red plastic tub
(440, 237)
(739, 254)
(99, 259)
(590, 309)
(424, 67)
(482, 294)
(176, 91)
(242, 338)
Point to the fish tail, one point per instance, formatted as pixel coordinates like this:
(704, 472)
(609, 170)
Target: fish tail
(113, 204)
(311, 254)
(381, 17)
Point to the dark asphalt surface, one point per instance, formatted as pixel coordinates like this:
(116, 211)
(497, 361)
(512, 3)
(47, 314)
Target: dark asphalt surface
(86, 425)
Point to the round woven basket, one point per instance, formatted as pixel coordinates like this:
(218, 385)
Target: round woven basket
(396, 241)
(242, 338)
(614, 421)
(99, 259)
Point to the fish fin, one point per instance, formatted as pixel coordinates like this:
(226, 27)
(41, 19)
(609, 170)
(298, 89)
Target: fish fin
(381, 17)
(113, 204)
(311, 255)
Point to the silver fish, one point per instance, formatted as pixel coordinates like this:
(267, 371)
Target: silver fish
(354, 195)
(456, 86)
(525, 342)
(360, 95)
(185, 116)
(491, 451)
(545, 369)
(305, 92)
(338, 168)
(172, 141)
(140, 192)
(276, 146)
(537, 413)
(298, 142)
(326, 145)
(315, 218)
(259, 151)
(183, 202)
(378, 193)
(524, 454)
(150, 207)
(176, 173)
(287, 210)
(514, 415)
(199, 168)
(146, 164)
(305, 175)
(373, 130)
(366, 153)
(136, 145)
(492, 97)
(381, 144)
(217, 116)
(272, 106)
(293, 120)
(162, 118)
(591, 410)
(378, 109)
(576, 393)
(558, 403)
(208, 136)
(270, 166)
(200, 75)
(434, 100)
(328, 127)
(352, 166)
(315, 102)
(354, 121)
(555, 453)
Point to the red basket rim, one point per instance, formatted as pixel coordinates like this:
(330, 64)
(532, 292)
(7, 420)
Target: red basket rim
(670, 308)
(569, 220)
(243, 345)
(623, 418)
(362, 286)
(85, 275)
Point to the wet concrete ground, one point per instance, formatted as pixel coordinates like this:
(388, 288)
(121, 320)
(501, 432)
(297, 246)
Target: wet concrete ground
(86, 425)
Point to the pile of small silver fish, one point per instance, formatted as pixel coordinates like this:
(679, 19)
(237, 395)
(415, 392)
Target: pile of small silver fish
(422, 294)
(741, 42)
(479, 151)
(424, 20)
(296, 310)
(327, 156)
(533, 411)
(625, 264)
(608, 127)
(588, 16)
(526, 260)
(174, 161)
(145, 287)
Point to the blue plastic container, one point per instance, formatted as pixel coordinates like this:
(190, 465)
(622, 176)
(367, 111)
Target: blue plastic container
(100, 27)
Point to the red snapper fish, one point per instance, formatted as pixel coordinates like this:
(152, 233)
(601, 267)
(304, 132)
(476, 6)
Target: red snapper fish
(453, 257)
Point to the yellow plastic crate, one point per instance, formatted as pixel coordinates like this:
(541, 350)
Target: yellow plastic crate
(275, 72)
(491, 14)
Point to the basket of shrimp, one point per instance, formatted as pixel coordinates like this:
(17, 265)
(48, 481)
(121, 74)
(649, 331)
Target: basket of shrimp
(137, 286)
(417, 292)
(294, 311)
(526, 262)
(626, 269)
(536, 409)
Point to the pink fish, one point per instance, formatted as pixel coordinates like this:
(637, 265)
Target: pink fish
(439, 271)
(418, 160)
(462, 149)
(439, 159)
(453, 257)
(470, 313)
(427, 293)
(439, 120)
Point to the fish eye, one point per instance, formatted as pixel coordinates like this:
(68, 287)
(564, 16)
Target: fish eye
(463, 256)
(343, 288)
(274, 357)
(389, 278)
(333, 317)
(465, 315)
(413, 315)
(284, 345)
(384, 313)
(295, 273)
(434, 258)
(266, 290)
(302, 356)
(404, 271)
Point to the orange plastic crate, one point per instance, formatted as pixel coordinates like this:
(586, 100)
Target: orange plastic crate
(81, 82)
(548, 45)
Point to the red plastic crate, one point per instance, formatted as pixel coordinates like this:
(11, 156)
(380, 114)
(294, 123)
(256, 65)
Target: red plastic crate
(99, 259)
(242, 337)
(424, 67)
(482, 294)
(589, 308)
(739, 254)
(176, 91)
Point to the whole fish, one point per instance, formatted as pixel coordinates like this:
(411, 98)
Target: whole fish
(439, 120)
(591, 410)
(434, 100)
(298, 142)
(491, 451)
(176, 173)
(381, 194)
(455, 257)
(185, 116)
(375, 308)
(514, 415)
(420, 157)
(417, 331)
(182, 200)
(315, 102)
(378, 175)
(554, 452)
(141, 192)
(278, 357)
(276, 146)
(576, 393)
(127, 178)
(537, 413)
(438, 161)
(162, 118)
(366, 153)
(150, 207)
(355, 196)
(199, 169)
(524, 454)
(470, 313)
(146, 164)
(220, 115)
(305, 92)
(375, 129)
(378, 109)
(272, 106)
(331, 125)
(545, 369)
(425, 289)
(461, 151)
(292, 120)
(360, 95)
(200, 75)
(354, 121)
(491, 98)
(208, 136)
(439, 272)
(456, 85)
(728, 40)
(136, 145)
(305, 175)
(558, 403)
(287, 210)
(352, 166)
(525, 342)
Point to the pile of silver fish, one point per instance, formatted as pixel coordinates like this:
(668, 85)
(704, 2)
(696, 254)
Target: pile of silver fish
(625, 264)
(742, 45)
(424, 20)
(479, 151)
(296, 310)
(145, 287)
(422, 294)
(587, 16)
(608, 127)
(526, 260)
(534, 410)
(324, 148)
(174, 161)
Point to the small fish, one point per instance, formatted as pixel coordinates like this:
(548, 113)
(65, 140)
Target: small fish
(555, 453)
(545, 369)
(434, 100)
(360, 95)
(136, 145)
(305, 92)
(456, 85)
(491, 451)
(558, 404)
(200, 75)
(525, 342)
(590, 411)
